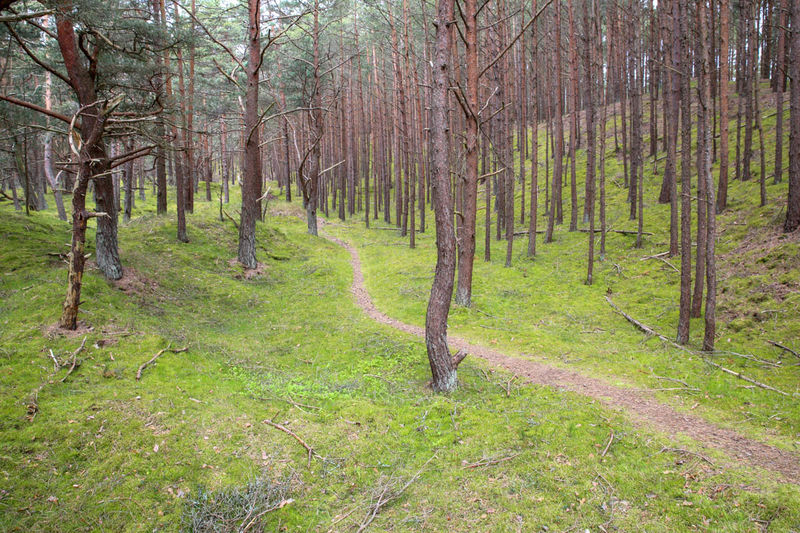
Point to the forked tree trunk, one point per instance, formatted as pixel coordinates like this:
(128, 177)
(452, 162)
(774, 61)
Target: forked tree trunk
(92, 162)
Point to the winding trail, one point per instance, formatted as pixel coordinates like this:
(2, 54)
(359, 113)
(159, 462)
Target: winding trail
(640, 406)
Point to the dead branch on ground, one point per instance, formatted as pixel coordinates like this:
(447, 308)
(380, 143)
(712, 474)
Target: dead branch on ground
(388, 490)
(75, 364)
(156, 356)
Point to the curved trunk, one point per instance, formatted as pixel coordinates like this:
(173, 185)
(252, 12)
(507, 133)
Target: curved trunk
(443, 365)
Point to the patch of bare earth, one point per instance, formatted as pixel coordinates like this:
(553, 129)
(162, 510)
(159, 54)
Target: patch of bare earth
(287, 210)
(247, 273)
(54, 331)
(639, 405)
(134, 283)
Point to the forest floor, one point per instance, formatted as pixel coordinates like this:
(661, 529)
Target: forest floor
(636, 403)
(202, 439)
(298, 407)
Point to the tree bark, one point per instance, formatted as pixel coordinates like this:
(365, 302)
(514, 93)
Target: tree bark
(467, 220)
(252, 152)
(686, 186)
(793, 200)
(710, 226)
(780, 75)
(443, 365)
(724, 33)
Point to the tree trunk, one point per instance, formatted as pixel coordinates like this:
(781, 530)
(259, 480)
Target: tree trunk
(158, 86)
(724, 32)
(711, 268)
(129, 180)
(686, 186)
(252, 152)
(92, 162)
(443, 365)
(780, 75)
(467, 220)
(558, 153)
(573, 122)
(311, 189)
(48, 172)
(532, 221)
(793, 201)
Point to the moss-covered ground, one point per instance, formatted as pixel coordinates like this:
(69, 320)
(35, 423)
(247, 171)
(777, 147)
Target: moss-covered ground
(187, 443)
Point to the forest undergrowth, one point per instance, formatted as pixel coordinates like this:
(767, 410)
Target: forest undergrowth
(211, 437)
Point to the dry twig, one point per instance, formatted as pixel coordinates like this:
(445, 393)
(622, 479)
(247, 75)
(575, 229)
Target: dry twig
(686, 452)
(156, 356)
(490, 461)
(309, 449)
(75, 362)
(387, 494)
(749, 380)
(786, 348)
(610, 440)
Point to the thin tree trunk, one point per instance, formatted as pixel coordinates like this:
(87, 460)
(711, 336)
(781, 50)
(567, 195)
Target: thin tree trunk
(779, 85)
(467, 220)
(711, 268)
(724, 32)
(686, 191)
(793, 199)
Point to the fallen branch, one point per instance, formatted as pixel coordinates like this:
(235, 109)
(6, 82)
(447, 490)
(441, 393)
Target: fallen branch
(507, 386)
(309, 449)
(639, 325)
(490, 461)
(753, 358)
(279, 505)
(658, 256)
(56, 364)
(387, 495)
(156, 356)
(745, 378)
(610, 440)
(786, 348)
(75, 362)
(686, 452)
(231, 219)
(620, 231)
(674, 380)
(651, 331)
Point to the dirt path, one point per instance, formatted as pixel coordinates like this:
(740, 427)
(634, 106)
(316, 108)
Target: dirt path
(640, 406)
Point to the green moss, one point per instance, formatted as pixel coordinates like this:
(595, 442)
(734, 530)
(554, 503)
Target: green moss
(108, 452)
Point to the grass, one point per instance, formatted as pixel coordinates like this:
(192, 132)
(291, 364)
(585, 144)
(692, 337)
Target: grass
(107, 452)
(542, 309)
(185, 448)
